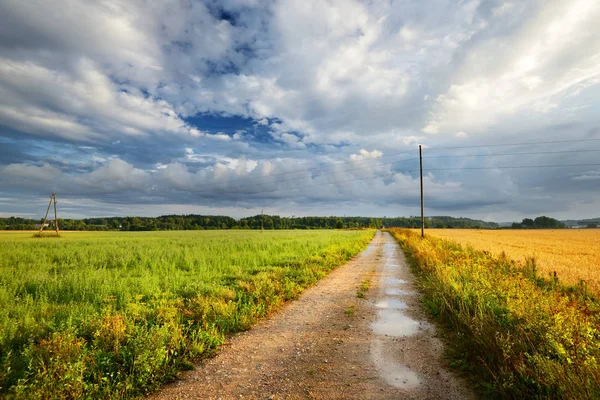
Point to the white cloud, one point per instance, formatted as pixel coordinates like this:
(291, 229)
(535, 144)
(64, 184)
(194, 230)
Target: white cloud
(219, 136)
(25, 174)
(365, 154)
(340, 76)
(503, 9)
(554, 53)
(588, 176)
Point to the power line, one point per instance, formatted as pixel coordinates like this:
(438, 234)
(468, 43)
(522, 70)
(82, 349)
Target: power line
(514, 154)
(513, 144)
(323, 165)
(215, 185)
(322, 184)
(294, 188)
(509, 167)
(322, 174)
(410, 171)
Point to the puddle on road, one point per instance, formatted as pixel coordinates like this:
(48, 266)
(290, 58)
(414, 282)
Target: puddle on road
(391, 321)
(391, 304)
(397, 292)
(369, 250)
(394, 323)
(393, 373)
(389, 281)
(400, 376)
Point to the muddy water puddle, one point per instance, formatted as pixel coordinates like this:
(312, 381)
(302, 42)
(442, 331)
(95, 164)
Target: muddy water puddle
(368, 251)
(392, 321)
(393, 282)
(391, 304)
(395, 323)
(397, 292)
(400, 376)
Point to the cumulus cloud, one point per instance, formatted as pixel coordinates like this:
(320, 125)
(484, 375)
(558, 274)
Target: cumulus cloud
(179, 102)
(588, 176)
(554, 53)
(365, 154)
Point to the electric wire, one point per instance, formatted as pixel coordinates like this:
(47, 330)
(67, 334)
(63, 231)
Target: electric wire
(304, 170)
(406, 172)
(323, 165)
(513, 154)
(318, 175)
(507, 167)
(218, 185)
(513, 144)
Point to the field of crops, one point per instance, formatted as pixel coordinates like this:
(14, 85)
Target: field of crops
(112, 315)
(574, 254)
(516, 332)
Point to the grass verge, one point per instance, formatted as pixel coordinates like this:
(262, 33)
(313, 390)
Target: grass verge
(114, 315)
(516, 334)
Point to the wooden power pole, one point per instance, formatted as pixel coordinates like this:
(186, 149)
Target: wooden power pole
(55, 215)
(422, 200)
(262, 221)
(52, 200)
(47, 211)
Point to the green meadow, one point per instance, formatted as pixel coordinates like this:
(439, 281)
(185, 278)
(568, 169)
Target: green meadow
(115, 314)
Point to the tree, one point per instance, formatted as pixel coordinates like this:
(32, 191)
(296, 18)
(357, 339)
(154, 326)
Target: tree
(547, 222)
(528, 223)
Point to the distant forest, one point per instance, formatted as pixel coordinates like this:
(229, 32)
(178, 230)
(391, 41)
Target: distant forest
(539, 223)
(200, 222)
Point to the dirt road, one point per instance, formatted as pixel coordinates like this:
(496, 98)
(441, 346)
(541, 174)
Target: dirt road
(331, 344)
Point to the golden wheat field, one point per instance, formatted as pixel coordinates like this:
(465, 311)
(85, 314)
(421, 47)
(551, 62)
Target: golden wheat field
(573, 253)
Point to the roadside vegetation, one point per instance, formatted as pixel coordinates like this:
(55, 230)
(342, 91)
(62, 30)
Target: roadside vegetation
(516, 333)
(114, 315)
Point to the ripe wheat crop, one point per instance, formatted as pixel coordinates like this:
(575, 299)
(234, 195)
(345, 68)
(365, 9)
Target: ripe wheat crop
(574, 254)
(516, 333)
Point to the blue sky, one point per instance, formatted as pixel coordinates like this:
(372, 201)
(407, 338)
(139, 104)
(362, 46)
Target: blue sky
(299, 107)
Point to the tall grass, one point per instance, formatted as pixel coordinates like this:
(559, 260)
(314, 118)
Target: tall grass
(520, 335)
(114, 315)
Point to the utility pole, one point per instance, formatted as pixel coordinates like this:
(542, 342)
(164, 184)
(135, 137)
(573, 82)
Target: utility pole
(422, 200)
(52, 199)
(47, 211)
(262, 221)
(55, 216)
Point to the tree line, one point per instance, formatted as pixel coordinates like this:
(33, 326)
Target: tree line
(202, 222)
(542, 222)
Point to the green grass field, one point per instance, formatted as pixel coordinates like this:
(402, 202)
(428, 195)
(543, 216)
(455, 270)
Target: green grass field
(115, 314)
